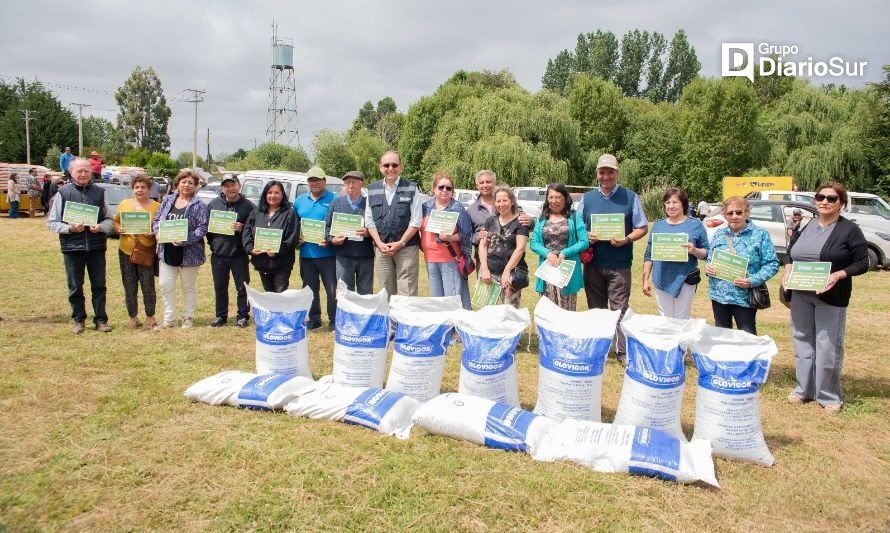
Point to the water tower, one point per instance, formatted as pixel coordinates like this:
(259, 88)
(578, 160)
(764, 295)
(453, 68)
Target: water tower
(281, 116)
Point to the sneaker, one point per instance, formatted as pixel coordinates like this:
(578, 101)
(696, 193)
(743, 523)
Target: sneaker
(164, 325)
(103, 327)
(78, 328)
(187, 323)
(794, 399)
(832, 408)
(242, 322)
(217, 322)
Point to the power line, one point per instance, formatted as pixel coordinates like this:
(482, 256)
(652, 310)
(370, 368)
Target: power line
(197, 97)
(80, 127)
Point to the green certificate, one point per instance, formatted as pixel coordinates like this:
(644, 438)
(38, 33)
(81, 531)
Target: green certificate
(312, 230)
(442, 222)
(345, 224)
(77, 213)
(267, 240)
(173, 230)
(486, 294)
(809, 275)
(135, 222)
(670, 247)
(556, 275)
(221, 222)
(607, 226)
(728, 266)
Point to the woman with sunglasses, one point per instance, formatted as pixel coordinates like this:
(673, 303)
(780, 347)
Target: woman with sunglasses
(441, 251)
(675, 282)
(818, 318)
(502, 250)
(560, 235)
(273, 211)
(730, 299)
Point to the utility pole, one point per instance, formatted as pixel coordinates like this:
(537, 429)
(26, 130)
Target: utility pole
(208, 147)
(27, 135)
(196, 98)
(80, 128)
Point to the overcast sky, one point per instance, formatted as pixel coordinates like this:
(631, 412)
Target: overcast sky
(348, 52)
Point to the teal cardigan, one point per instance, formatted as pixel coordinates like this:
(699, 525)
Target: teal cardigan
(571, 253)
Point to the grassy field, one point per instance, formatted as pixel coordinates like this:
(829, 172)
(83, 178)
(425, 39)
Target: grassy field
(97, 435)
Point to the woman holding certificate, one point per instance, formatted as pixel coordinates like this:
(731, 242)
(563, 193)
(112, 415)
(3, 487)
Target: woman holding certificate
(676, 243)
(741, 256)
(446, 232)
(270, 237)
(180, 226)
(502, 249)
(133, 222)
(560, 235)
(820, 261)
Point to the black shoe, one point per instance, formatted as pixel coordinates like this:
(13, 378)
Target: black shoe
(242, 322)
(313, 325)
(218, 321)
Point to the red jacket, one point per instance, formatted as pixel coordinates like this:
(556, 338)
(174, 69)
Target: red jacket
(96, 165)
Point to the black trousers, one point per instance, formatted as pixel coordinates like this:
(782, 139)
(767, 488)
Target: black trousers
(326, 269)
(220, 268)
(745, 317)
(276, 281)
(94, 265)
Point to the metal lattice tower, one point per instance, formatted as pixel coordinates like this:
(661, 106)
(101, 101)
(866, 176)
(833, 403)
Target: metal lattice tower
(281, 115)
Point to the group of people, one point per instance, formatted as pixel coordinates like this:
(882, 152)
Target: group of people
(493, 232)
(36, 186)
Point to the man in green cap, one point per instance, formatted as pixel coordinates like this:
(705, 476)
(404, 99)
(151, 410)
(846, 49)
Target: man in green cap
(317, 258)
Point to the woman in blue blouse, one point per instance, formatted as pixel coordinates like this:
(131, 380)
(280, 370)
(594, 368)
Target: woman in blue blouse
(729, 299)
(560, 235)
(673, 293)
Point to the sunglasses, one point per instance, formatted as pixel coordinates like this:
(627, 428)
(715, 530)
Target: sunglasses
(832, 198)
(445, 188)
(389, 165)
(737, 212)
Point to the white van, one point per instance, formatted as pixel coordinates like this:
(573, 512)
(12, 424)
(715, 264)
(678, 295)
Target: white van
(868, 210)
(782, 196)
(295, 183)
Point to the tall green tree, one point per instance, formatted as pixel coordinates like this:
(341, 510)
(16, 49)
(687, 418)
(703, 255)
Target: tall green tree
(603, 54)
(97, 131)
(595, 104)
(272, 156)
(331, 152)
(366, 149)
(682, 67)
(559, 70)
(655, 89)
(879, 144)
(49, 122)
(582, 53)
(634, 53)
(144, 113)
(366, 117)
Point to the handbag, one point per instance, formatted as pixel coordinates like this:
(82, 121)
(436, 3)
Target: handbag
(465, 265)
(758, 297)
(693, 278)
(142, 255)
(586, 255)
(785, 296)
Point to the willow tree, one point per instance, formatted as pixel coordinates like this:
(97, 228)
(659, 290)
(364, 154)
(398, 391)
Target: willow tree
(526, 139)
(596, 105)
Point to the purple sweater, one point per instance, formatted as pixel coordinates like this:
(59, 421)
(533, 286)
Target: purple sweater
(197, 214)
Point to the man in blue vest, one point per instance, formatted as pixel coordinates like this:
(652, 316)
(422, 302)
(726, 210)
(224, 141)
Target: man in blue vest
(83, 245)
(607, 278)
(393, 218)
(317, 259)
(354, 255)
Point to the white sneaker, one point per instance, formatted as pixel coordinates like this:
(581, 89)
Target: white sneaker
(186, 323)
(164, 325)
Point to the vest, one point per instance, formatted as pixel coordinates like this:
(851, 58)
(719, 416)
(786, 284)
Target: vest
(363, 248)
(86, 241)
(622, 201)
(392, 220)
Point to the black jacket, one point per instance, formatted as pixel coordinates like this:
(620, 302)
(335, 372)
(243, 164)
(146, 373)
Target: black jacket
(229, 245)
(287, 221)
(847, 250)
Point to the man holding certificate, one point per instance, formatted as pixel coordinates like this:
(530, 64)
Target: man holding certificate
(615, 219)
(82, 235)
(316, 256)
(820, 261)
(346, 233)
(228, 214)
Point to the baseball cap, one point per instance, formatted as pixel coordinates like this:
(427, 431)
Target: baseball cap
(354, 174)
(796, 211)
(315, 173)
(229, 177)
(607, 161)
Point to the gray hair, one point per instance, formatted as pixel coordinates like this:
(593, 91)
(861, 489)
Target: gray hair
(494, 177)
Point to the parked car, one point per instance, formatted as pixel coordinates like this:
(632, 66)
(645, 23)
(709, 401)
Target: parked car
(295, 183)
(114, 195)
(208, 192)
(465, 196)
(783, 196)
(530, 199)
(775, 217)
(868, 210)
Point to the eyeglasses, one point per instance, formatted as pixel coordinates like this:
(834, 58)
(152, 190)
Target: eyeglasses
(445, 188)
(390, 165)
(737, 213)
(832, 198)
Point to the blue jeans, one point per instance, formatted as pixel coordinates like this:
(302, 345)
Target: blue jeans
(445, 280)
(357, 273)
(13, 209)
(745, 317)
(313, 269)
